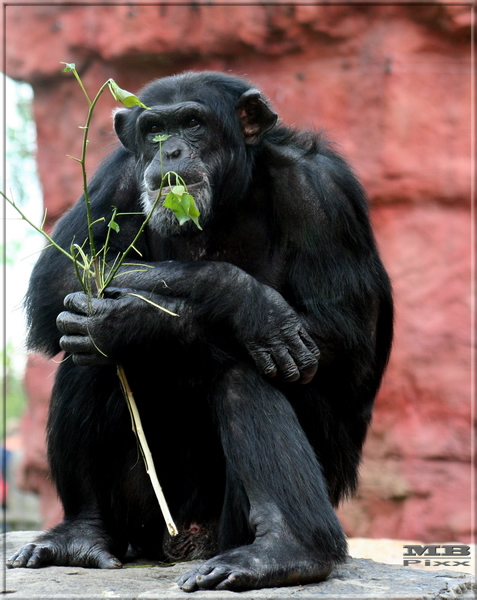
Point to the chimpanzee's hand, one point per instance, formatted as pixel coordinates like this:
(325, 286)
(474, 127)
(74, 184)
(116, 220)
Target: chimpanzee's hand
(90, 326)
(282, 346)
(96, 329)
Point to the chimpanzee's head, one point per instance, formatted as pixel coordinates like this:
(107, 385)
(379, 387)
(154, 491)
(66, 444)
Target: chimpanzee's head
(212, 120)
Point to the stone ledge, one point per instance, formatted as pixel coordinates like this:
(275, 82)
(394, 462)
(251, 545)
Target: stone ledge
(359, 579)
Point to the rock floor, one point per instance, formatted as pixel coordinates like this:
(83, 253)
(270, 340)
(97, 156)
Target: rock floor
(359, 579)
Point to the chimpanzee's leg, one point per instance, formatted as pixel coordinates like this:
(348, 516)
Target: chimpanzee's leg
(82, 400)
(298, 537)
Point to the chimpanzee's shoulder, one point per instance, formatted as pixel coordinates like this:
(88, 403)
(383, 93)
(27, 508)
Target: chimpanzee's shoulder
(308, 142)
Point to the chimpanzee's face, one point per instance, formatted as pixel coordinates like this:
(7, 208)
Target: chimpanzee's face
(206, 121)
(186, 149)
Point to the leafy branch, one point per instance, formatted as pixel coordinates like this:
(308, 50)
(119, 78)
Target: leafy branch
(91, 265)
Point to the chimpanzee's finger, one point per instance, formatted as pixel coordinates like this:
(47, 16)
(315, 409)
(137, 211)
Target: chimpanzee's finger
(79, 302)
(70, 323)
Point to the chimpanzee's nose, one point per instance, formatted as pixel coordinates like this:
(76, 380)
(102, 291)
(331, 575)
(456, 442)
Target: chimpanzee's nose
(173, 153)
(175, 148)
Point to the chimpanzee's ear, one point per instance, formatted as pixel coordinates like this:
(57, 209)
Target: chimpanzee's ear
(255, 116)
(124, 129)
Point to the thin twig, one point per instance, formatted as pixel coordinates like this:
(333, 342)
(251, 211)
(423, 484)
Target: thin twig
(146, 453)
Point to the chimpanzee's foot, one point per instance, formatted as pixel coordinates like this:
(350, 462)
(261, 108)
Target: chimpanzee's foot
(256, 566)
(81, 543)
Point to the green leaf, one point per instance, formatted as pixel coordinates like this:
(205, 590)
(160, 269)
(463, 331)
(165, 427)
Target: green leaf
(183, 206)
(69, 67)
(161, 138)
(174, 203)
(126, 98)
(113, 225)
(193, 210)
(178, 190)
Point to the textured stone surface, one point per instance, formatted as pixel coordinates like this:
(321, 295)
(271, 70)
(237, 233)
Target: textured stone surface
(392, 85)
(359, 579)
(416, 476)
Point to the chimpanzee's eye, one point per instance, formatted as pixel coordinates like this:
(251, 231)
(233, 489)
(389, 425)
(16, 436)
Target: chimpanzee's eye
(155, 129)
(191, 123)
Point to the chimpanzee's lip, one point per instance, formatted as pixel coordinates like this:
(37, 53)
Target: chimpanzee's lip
(191, 188)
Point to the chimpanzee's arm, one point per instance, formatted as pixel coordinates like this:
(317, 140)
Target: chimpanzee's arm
(206, 296)
(256, 316)
(334, 277)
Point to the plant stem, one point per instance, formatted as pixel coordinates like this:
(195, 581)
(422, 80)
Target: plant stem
(78, 79)
(101, 285)
(43, 233)
(82, 161)
(115, 269)
(146, 453)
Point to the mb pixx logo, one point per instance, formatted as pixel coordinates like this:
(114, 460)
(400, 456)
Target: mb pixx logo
(434, 555)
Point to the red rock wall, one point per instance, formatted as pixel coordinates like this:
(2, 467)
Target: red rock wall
(392, 84)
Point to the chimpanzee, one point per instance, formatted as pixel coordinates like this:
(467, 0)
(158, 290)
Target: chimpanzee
(253, 443)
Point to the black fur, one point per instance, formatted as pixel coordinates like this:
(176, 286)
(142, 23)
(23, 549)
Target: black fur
(252, 447)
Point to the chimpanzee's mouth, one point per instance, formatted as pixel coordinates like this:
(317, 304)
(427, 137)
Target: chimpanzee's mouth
(193, 184)
(162, 220)
(192, 188)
